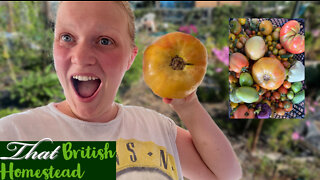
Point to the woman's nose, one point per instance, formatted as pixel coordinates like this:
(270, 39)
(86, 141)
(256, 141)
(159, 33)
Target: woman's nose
(82, 54)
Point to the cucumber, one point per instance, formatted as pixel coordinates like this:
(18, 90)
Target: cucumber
(299, 97)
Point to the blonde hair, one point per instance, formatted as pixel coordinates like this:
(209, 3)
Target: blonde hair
(125, 5)
(131, 19)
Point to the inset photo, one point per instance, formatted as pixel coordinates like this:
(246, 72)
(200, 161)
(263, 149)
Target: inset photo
(266, 68)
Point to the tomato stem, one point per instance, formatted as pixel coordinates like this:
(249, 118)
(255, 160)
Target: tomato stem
(266, 77)
(177, 63)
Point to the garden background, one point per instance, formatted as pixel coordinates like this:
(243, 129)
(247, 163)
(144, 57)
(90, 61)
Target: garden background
(284, 149)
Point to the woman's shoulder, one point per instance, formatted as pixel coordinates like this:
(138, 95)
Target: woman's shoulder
(24, 115)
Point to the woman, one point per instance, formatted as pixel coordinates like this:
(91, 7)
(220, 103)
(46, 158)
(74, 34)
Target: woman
(93, 48)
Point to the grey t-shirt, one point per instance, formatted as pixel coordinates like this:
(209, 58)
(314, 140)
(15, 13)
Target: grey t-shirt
(146, 145)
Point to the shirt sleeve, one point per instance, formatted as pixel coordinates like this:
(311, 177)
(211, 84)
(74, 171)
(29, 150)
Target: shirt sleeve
(171, 128)
(8, 131)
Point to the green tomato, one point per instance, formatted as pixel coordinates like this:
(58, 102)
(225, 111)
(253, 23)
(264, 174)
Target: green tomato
(296, 87)
(299, 97)
(235, 27)
(290, 95)
(245, 79)
(233, 97)
(247, 94)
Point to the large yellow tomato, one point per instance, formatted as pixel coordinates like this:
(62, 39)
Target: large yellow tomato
(174, 65)
(265, 27)
(269, 73)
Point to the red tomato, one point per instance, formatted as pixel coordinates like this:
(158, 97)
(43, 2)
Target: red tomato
(238, 75)
(238, 62)
(232, 79)
(286, 64)
(282, 90)
(287, 106)
(276, 95)
(290, 38)
(280, 111)
(243, 112)
(286, 84)
(280, 105)
(267, 94)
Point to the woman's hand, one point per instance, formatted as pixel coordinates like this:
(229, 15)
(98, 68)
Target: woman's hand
(182, 104)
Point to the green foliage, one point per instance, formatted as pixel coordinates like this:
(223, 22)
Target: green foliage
(270, 9)
(29, 40)
(25, 55)
(301, 170)
(218, 89)
(312, 76)
(220, 27)
(279, 133)
(135, 71)
(8, 111)
(311, 14)
(266, 167)
(276, 132)
(37, 88)
(117, 98)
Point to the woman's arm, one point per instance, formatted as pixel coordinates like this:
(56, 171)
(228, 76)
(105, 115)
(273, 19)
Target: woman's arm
(204, 151)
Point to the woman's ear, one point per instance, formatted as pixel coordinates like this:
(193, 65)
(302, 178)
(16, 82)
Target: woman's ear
(134, 53)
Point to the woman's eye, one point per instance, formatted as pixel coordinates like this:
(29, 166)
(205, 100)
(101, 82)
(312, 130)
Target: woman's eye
(105, 41)
(66, 38)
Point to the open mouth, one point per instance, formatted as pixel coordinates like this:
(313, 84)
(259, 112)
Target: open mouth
(85, 86)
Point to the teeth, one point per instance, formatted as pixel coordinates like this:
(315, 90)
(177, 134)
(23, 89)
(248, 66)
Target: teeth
(84, 78)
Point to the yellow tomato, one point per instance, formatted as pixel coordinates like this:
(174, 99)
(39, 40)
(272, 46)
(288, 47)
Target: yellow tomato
(232, 37)
(266, 27)
(269, 38)
(174, 65)
(233, 105)
(242, 21)
(269, 73)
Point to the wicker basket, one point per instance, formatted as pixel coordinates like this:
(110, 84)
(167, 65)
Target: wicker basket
(298, 111)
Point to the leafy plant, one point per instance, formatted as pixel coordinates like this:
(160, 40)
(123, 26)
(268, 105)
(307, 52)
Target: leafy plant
(8, 111)
(26, 35)
(25, 55)
(220, 16)
(279, 132)
(36, 89)
(215, 84)
(135, 71)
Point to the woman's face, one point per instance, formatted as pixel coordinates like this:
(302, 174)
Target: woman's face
(92, 50)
